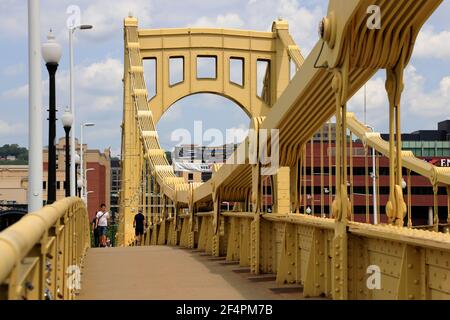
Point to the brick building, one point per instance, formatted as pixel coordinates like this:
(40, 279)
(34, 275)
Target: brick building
(14, 178)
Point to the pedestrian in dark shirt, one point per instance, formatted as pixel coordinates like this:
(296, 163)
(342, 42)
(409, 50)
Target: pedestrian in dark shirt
(95, 232)
(138, 225)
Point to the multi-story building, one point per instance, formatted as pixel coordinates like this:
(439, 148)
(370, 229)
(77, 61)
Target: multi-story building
(194, 163)
(13, 184)
(115, 185)
(14, 178)
(430, 145)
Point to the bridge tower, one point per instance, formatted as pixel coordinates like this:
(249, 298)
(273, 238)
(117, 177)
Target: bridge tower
(141, 177)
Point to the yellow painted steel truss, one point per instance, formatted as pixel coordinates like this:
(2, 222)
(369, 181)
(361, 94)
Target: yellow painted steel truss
(328, 256)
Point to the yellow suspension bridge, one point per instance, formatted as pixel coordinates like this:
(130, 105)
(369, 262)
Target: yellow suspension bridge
(318, 255)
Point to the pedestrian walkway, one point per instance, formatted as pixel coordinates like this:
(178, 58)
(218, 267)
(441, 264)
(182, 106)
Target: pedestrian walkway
(162, 272)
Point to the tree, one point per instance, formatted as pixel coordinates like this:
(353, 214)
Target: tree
(14, 150)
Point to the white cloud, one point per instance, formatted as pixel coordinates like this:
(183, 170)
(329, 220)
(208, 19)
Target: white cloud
(302, 21)
(14, 70)
(100, 80)
(427, 104)
(98, 98)
(7, 129)
(430, 44)
(107, 16)
(236, 134)
(13, 15)
(229, 20)
(116, 152)
(103, 76)
(16, 93)
(173, 114)
(376, 102)
(420, 107)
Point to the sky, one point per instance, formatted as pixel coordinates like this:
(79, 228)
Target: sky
(99, 65)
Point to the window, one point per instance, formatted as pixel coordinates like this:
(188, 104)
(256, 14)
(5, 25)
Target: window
(206, 176)
(190, 177)
(176, 70)
(44, 185)
(206, 67)
(150, 76)
(263, 80)
(237, 71)
(292, 69)
(418, 152)
(58, 185)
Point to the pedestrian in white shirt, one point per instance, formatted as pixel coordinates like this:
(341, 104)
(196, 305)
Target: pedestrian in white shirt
(102, 224)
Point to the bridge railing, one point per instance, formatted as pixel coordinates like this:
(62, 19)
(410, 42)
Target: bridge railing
(42, 254)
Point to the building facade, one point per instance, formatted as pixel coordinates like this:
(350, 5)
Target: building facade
(115, 185)
(14, 178)
(429, 145)
(194, 163)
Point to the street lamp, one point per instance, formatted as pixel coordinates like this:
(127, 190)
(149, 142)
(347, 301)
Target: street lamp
(67, 121)
(86, 124)
(85, 184)
(72, 104)
(77, 163)
(79, 187)
(403, 183)
(86, 200)
(51, 52)
(374, 182)
(228, 205)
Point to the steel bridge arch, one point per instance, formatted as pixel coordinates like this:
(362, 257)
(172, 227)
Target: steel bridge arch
(141, 151)
(189, 44)
(222, 95)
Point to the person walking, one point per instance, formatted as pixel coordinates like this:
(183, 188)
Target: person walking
(138, 225)
(102, 224)
(95, 231)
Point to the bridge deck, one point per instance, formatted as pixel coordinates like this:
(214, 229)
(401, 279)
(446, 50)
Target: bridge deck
(161, 272)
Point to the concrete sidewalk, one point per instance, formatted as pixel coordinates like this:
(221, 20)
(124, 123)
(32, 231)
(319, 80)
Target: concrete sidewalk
(162, 272)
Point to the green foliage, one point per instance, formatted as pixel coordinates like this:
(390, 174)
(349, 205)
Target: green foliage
(169, 156)
(20, 153)
(111, 231)
(13, 162)
(111, 234)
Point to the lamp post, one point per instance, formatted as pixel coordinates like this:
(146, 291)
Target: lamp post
(79, 187)
(51, 52)
(35, 172)
(374, 182)
(86, 124)
(85, 184)
(67, 121)
(72, 103)
(77, 163)
(86, 200)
